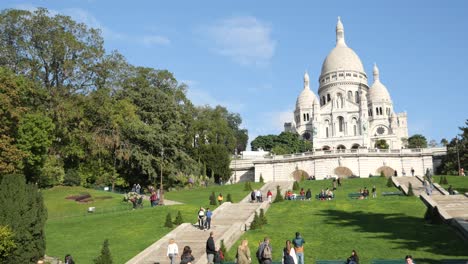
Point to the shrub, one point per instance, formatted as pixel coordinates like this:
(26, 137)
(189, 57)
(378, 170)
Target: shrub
(22, 209)
(389, 182)
(72, 178)
(179, 220)
(255, 223)
(229, 198)
(105, 257)
(441, 179)
(296, 186)
(261, 178)
(410, 190)
(279, 197)
(168, 222)
(445, 181)
(247, 186)
(382, 174)
(7, 242)
(262, 218)
(212, 199)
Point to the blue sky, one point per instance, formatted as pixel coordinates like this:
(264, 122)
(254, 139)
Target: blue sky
(250, 56)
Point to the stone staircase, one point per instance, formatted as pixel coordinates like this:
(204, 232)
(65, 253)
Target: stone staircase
(229, 222)
(416, 183)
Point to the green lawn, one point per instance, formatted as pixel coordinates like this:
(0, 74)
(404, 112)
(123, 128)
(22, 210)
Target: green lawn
(70, 230)
(458, 183)
(385, 227)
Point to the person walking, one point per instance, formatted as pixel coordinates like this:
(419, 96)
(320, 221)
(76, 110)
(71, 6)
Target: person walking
(374, 192)
(201, 218)
(210, 249)
(243, 253)
(412, 171)
(187, 257)
(269, 195)
(264, 252)
(172, 251)
(289, 256)
(208, 214)
(298, 243)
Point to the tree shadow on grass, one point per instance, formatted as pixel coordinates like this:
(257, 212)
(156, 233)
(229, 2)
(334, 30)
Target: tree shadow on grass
(406, 232)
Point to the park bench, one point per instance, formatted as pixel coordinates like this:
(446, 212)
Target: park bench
(399, 193)
(454, 261)
(388, 261)
(317, 197)
(354, 195)
(330, 261)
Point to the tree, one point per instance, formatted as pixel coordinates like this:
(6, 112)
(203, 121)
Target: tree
(417, 141)
(22, 209)
(262, 218)
(389, 182)
(7, 242)
(432, 143)
(105, 257)
(229, 198)
(255, 224)
(381, 144)
(410, 190)
(261, 180)
(444, 142)
(457, 148)
(212, 198)
(284, 143)
(296, 186)
(179, 220)
(35, 133)
(279, 196)
(168, 222)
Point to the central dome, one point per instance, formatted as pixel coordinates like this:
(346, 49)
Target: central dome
(341, 57)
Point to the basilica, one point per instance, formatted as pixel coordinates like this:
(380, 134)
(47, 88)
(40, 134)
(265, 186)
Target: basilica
(346, 113)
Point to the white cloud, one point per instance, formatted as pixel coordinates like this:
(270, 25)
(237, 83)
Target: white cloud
(202, 97)
(85, 17)
(151, 40)
(246, 40)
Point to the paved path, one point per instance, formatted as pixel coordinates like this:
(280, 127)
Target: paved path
(416, 183)
(229, 222)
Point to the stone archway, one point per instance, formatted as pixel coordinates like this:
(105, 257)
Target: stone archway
(388, 171)
(355, 146)
(340, 147)
(299, 175)
(343, 172)
(326, 148)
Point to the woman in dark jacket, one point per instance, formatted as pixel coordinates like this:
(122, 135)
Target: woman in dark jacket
(187, 257)
(353, 259)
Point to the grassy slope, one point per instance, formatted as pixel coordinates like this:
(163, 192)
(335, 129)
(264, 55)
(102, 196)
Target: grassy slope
(458, 183)
(386, 227)
(128, 231)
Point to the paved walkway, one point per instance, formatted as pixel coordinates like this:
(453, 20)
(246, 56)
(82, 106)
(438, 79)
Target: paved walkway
(229, 222)
(452, 208)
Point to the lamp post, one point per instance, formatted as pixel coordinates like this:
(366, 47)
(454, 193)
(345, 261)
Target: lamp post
(274, 168)
(235, 165)
(458, 155)
(161, 190)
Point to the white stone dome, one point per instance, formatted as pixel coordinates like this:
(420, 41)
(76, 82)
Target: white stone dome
(341, 57)
(306, 99)
(378, 92)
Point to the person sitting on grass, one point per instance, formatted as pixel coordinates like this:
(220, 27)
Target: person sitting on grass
(322, 195)
(308, 194)
(353, 259)
(365, 192)
(302, 193)
(220, 199)
(409, 259)
(329, 194)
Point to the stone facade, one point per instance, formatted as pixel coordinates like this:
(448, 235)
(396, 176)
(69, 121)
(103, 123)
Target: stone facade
(337, 163)
(347, 113)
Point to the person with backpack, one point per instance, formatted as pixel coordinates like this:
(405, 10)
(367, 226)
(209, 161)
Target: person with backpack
(219, 257)
(264, 252)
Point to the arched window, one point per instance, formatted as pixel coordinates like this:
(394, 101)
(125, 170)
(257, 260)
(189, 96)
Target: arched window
(304, 116)
(323, 97)
(350, 96)
(357, 97)
(340, 124)
(376, 111)
(308, 117)
(328, 98)
(380, 108)
(326, 132)
(327, 128)
(354, 123)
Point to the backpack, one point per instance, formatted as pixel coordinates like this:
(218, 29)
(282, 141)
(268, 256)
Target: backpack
(266, 254)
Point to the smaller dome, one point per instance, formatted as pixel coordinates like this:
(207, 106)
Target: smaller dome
(378, 92)
(306, 99)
